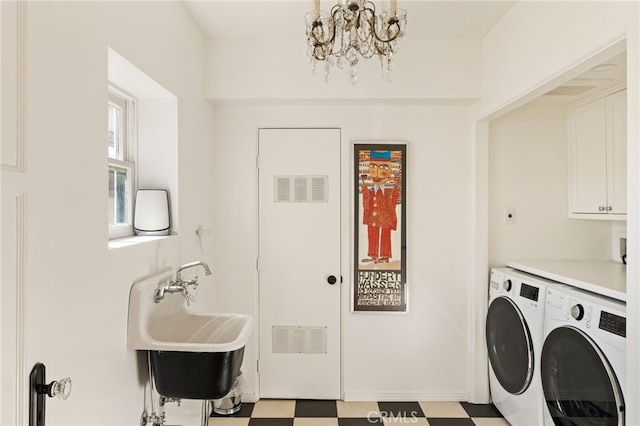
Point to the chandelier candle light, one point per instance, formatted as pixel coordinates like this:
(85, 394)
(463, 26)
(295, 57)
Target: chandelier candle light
(352, 31)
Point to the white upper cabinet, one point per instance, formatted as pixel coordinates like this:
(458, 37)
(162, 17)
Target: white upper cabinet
(598, 158)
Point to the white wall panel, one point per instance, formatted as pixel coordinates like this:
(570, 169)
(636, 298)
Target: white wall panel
(13, 102)
(13, 375)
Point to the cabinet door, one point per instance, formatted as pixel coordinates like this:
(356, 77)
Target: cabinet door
(587, 154)
(617, 152)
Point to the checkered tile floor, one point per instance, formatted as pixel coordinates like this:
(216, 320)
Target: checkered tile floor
(339, 413)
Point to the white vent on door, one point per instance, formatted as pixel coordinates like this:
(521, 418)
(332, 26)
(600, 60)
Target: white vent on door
(282, 190)
(301, 189)
(299, 340)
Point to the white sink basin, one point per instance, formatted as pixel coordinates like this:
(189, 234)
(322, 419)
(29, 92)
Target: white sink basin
(171, 326)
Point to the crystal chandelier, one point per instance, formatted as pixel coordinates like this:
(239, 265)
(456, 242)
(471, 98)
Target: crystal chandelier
(353, 31)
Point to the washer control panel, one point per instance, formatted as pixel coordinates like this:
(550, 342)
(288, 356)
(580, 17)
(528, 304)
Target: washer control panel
(579, 311)
(529, 292)
(613, 323)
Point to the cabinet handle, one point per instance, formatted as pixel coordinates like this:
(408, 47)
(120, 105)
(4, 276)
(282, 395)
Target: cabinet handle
(601, 208)
(609, 208)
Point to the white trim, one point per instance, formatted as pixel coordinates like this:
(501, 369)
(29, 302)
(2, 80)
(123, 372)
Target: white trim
(134, 240)
(405, 396)
(21, 307)
(120, 231)
(121, 164)
(21, 408)
(598, 95)
(128, 104)
(131, 116)
(478, 283)
(19, 162)
(633, 225)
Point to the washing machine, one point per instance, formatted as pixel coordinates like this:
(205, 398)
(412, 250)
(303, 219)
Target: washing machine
(583, 359)
(514, 334)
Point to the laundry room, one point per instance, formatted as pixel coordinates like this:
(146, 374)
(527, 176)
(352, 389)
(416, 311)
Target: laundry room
(565, 261)
(487, 183)
(529, 178)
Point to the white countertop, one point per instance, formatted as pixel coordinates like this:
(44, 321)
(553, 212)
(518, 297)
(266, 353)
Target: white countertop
(604, 277)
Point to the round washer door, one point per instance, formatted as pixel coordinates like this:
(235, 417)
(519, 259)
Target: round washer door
(580, 387)
(509, 345)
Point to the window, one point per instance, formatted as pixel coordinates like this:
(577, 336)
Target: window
(143, 143)
(121, 150)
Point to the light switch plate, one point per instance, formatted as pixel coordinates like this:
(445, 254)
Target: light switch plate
(510, 215)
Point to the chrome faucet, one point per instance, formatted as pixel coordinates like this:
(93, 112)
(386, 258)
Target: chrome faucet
(179, 285)
(171, 288)
(207, 271)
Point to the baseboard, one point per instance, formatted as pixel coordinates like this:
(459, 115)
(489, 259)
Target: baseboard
(406, 396)
(388, 396)
(249, 397)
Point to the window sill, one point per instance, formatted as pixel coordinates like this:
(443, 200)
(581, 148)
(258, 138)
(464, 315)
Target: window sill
(138, 239)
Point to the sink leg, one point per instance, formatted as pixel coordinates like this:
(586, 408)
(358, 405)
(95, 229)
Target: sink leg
(206, 412)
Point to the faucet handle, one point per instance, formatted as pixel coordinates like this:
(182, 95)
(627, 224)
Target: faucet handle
(158, 295)
(188, 297)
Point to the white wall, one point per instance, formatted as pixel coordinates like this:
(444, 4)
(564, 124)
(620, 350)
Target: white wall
(415, 347)
(76, 289)
(419, 355)
(528, 171)
(280, 70)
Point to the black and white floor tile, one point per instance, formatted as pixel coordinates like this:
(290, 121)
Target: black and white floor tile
(339, 413)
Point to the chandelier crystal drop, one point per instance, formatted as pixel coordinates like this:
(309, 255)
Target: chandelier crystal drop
(352, 31)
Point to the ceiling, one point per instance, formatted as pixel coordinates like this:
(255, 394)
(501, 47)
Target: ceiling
(278, 19)
(609, 73)
(426, 19)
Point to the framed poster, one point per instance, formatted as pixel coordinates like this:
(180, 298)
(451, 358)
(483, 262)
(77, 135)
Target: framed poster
(380, 282)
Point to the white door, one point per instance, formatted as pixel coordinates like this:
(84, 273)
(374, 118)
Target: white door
(299, 263)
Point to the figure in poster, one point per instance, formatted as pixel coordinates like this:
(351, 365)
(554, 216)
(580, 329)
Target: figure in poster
(380, 232)
(379, 206)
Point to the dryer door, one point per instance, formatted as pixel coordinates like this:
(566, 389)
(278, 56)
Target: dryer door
(580, 387)
(510, 346)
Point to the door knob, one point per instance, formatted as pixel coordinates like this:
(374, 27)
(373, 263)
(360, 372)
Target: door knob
(39, 389)
(332, 279)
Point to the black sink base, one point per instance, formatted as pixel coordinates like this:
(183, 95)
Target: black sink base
(195, 375)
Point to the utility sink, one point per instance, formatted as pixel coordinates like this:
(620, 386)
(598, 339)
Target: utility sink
(193, 355)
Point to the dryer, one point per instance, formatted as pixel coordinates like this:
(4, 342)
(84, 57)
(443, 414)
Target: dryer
(514, 336)
(583, 359)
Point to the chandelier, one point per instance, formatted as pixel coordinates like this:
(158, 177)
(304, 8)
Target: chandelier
(352, 31)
